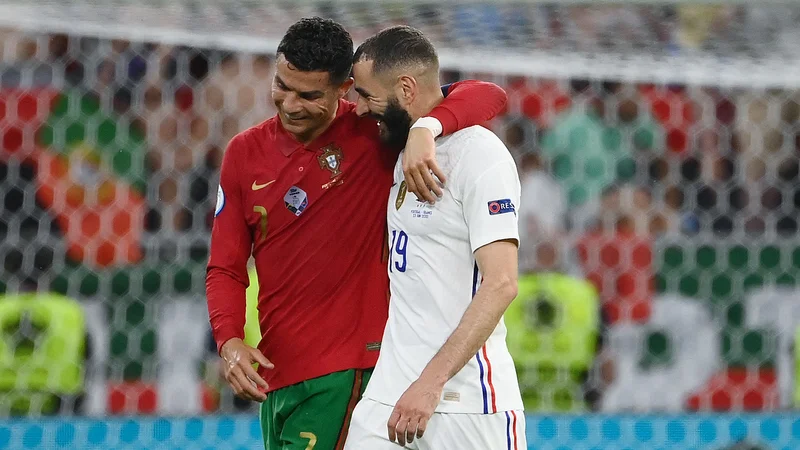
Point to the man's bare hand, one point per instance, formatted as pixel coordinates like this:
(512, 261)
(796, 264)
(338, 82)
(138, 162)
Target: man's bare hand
(419, 160)
(239, 372)
(410, 416)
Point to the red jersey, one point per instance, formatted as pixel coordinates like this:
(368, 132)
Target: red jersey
(314, 217)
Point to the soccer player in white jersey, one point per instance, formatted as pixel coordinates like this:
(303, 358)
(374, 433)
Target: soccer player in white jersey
(444, 379)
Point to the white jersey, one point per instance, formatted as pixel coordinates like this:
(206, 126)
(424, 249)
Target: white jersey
(433, 274)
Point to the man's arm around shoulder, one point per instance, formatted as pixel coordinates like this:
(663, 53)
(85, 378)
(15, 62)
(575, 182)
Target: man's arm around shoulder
(466, 103)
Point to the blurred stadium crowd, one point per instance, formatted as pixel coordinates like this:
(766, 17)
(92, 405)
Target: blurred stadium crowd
(660, 222)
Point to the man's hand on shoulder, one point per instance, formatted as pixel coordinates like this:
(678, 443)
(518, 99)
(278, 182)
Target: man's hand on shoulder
(415, 407)
(239, 372)
(420, 166)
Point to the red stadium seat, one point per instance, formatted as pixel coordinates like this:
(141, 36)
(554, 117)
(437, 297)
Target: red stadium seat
(132, 397)
(737, 389)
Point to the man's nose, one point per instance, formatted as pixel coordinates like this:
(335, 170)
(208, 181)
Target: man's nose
(362, 109)
(291, 104)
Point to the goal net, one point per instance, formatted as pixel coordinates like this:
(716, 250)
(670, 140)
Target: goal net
(657, 142)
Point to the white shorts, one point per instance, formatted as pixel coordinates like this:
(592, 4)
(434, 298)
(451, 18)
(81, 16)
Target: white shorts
(501, 431)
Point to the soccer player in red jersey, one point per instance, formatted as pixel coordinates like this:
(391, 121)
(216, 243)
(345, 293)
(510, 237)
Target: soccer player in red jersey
(305, 193)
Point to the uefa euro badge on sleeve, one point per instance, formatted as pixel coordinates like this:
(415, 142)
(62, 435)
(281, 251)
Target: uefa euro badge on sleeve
(295, 200)
(331, 159)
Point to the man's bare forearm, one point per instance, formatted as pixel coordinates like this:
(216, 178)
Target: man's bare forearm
(479, 321)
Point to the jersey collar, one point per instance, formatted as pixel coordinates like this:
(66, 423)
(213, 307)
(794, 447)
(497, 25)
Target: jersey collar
(288, 144)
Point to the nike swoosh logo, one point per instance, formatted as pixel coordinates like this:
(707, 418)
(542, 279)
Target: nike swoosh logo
(257, 186)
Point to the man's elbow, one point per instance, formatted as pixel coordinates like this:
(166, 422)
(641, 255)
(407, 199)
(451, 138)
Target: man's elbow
(510, 288)
(505, 287)
(502, 96)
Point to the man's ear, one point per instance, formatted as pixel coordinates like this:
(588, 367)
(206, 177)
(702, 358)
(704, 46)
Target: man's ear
(344, 88)
(406, 89)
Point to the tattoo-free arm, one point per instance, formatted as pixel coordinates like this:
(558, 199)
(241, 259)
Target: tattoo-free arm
(497, 262)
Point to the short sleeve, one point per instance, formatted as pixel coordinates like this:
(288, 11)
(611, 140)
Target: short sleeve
(490, 193)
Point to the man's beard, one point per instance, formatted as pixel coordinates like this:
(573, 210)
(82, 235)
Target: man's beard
(397, 123)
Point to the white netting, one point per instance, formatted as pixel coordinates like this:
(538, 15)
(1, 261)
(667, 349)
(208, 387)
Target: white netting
(658, 146)
(736, 43)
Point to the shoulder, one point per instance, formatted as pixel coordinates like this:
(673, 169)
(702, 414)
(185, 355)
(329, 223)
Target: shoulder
(475, 145)
(474, 136)
(262, 132)
(467, 154)
(259, 138)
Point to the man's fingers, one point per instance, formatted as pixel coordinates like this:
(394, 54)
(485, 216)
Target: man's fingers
(421, 426)
(422, 192)
(241, 376)
(253, 375)
(249, 388)
(401, 427)
(230, 373)
(411, 185)
(242, 382)
(238, 390)
(411, 428)
(261, 359)
(234, 384)
(405, 162)
(434, 166)
(392, 423)
(239, 384)
(430, 182)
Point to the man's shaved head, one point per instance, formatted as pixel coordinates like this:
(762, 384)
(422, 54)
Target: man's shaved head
(399, 48)
(397, 79)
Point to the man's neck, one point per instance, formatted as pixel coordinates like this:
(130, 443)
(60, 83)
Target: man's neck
(427, 102)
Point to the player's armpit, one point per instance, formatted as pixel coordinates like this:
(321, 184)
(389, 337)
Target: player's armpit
(469, 103)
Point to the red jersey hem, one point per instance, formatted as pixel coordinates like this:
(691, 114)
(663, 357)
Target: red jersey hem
(289, 381)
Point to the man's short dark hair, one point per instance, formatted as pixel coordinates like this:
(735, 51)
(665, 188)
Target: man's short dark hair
(396, 47)
(319, 45)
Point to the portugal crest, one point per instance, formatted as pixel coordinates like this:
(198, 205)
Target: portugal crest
(331, 159)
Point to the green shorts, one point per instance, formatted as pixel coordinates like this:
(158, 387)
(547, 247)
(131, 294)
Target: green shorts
(314, 414)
